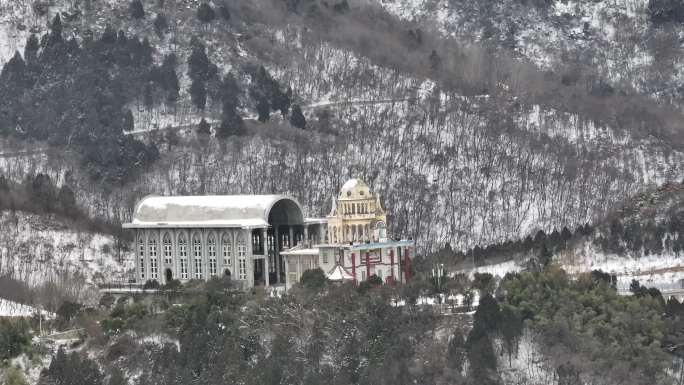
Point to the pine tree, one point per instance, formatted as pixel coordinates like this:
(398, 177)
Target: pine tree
(511, 328)
(224, 12)
(205, 13)
(456, 352)
(203, 128)
(14, 72)
(481, 357)
(488, 314)
(31, 49)
(231, 125)
(297, 118)
(198, 94)
(263, 109)
(545, 256)
(136, 9)
(198, 62)
(160, 24)
(128, 121)
(55, 30)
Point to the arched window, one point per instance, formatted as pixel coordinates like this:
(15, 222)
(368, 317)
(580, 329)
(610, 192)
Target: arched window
(227, 250)
(167, 248)
(197, 254)
(141, 258)
(211, 253)
(242, 262)
(183, 256)
(152, 246)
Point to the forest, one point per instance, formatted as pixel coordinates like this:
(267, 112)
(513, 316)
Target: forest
(520, 130)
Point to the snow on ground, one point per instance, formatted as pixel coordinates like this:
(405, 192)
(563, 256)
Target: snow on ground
(497, 270)
(37, 249)
(662, 271)
(528, 366)
(13, 309)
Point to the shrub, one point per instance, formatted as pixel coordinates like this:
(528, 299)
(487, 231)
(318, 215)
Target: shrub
(313, 279)
(151, 284)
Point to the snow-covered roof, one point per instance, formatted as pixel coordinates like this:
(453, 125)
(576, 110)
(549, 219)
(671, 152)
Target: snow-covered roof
(350, 184)
(300, 251)
(355, 189)
(315, 220)
(246, 211)
(339, 274)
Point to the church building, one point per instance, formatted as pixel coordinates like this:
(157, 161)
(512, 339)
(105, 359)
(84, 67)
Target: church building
(265, 240)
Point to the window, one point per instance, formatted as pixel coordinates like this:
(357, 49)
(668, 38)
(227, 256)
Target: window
(363, 275)
(184, 268)
(183, 256)
(197, 254)
(379, 273)
(153, 268)
(242, 272)
(325, 257)
(227, 250)
(241, 249)
(167, 248)
(153, 258)
(243, 269)
(141, 255)
(256, 242)
(271, 243)
(211, 252)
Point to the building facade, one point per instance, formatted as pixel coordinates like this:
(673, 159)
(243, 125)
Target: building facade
(265, 239)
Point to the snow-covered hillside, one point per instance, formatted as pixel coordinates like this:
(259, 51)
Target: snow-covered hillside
(615, 39)
(14, 309)
(37, 250)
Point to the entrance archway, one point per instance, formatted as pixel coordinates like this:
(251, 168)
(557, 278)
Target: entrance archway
(169, 275)
(226, 273)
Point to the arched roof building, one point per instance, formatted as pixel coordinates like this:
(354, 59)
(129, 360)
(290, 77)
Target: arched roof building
(236, 211)
(265, 239)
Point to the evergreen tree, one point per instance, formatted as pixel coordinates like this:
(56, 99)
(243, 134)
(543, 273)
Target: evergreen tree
(203, 128)
(198, 62)
(231, 125)
(297, 118)
(481, 357)
(224, 12)
(435, 61)
(160, 24)
(14, 74)
(128, 122)
(55, 30)
(169, 78)
(263, 109)
(456, 352)
(545, 256)
(487, 314)
(511, 328)
(136, 9)
(198, 94)
(205, 13)
(67, 201)
(31, 49)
